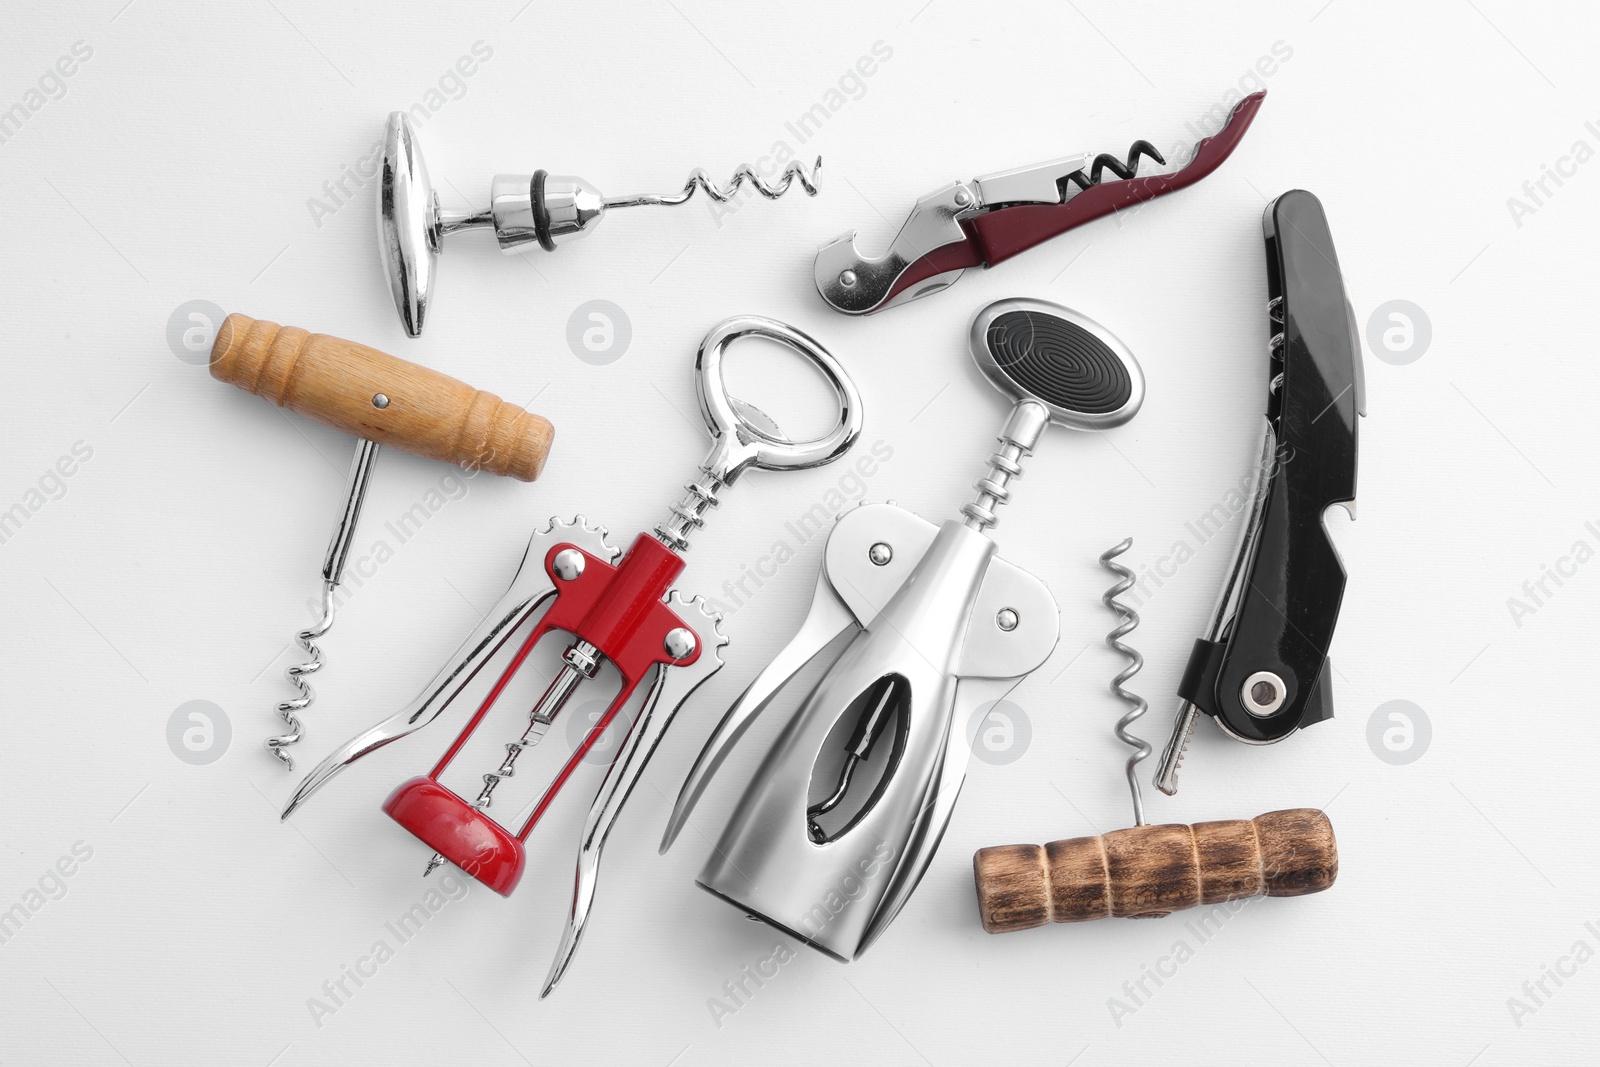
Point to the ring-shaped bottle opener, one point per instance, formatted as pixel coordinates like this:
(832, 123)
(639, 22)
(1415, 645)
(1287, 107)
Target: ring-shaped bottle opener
(618, 608)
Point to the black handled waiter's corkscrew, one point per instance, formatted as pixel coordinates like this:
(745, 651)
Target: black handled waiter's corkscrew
(1262, 670)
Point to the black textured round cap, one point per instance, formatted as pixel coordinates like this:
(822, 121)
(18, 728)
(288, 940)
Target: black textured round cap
(1059, 362)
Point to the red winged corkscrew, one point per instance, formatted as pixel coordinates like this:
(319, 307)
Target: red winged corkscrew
(617, 610)
(990, 219)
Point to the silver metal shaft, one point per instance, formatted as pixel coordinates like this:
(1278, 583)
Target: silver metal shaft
(333, 562)
(1018, 437)
(344, 531)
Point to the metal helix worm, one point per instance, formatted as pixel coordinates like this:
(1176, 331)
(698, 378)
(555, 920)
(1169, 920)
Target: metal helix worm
(1106, 161)
(1138, 705)
(699, 179)
(296, 673)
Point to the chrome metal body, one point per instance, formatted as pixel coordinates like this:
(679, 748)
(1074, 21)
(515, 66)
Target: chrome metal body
(524, 209)
(510, 212)
(927, 617)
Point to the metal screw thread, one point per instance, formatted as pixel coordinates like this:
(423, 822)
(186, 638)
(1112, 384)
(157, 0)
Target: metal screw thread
(296, 673)
(1127, 622)
(994, 487)
(689, 513)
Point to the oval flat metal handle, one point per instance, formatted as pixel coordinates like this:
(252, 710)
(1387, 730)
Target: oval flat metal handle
(740, 441)
(408, 223)
(1075, 367)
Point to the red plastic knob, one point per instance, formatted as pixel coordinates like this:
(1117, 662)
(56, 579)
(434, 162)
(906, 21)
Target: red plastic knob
(459, 832)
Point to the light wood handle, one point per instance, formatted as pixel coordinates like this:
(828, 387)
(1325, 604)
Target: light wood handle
(1153, 870)
(339, 383)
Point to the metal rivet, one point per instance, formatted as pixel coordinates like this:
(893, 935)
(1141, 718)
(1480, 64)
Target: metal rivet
(1263, 693)
(848, 279)
(380, 401)
(1007, 619)
(679, 643)
(963, 198)
(880, 554)
(568, 564)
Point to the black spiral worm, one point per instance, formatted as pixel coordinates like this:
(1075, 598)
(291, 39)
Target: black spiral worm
(1106, 161)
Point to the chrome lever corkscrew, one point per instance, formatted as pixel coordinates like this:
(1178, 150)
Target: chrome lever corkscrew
(938, 625)
(538, 208)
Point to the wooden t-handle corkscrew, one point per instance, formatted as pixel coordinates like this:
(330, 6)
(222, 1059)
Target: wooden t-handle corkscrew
(1145, 871)
(383, 400)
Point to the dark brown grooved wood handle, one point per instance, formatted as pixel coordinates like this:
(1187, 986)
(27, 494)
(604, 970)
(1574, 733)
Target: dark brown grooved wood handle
(1153, 870)
(337, 382)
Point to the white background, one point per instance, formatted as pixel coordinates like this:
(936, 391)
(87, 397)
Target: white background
(178, 560)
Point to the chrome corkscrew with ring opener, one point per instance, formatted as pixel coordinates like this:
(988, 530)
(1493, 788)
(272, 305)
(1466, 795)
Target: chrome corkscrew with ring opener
(524, 209)
(618, 610)
(940, 626)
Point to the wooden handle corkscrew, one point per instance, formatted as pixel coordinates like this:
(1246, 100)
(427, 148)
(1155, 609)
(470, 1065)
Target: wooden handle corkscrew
(380, 397)
(1153, 870)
